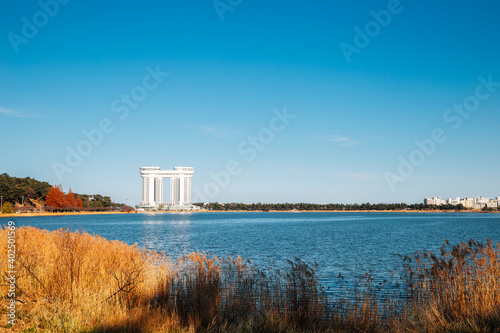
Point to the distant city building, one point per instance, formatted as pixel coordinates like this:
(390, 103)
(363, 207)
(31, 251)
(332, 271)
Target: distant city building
(152, 188)
(468, 202)
(492, 204)
(437, 201)
(472, 203)
(482, 200)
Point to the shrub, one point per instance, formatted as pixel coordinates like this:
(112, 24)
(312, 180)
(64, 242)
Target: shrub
(7, 208)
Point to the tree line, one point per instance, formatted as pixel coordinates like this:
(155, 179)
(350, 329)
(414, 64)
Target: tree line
(216, 206)
(29, 194)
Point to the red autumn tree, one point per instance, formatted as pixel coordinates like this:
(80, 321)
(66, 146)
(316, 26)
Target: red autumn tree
(79, 202)
(69, 199)
(126, 209)
(55, 197)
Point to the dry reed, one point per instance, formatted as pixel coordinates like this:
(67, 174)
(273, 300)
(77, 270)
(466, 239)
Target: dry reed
(77, 282)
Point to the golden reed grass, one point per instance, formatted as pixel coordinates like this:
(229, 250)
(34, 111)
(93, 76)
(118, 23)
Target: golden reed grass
(77, 282)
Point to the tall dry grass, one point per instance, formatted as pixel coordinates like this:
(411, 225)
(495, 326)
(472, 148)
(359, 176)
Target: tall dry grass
(458, 289)
(71, 280)
(76, 282)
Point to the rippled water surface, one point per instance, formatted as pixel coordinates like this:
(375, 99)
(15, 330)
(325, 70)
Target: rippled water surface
(346, 243)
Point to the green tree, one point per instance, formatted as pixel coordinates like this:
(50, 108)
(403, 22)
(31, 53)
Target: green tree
(7, 208)
(13, 188)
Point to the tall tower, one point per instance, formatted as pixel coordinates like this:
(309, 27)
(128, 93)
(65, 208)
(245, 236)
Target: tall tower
(158, 199)
(151, 189)
(175, 190)
(182, 186)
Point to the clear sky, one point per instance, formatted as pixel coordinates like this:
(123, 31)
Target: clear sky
(307, 101)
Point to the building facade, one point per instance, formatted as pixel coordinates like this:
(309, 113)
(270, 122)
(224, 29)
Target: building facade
(152, 187)
(472, 203)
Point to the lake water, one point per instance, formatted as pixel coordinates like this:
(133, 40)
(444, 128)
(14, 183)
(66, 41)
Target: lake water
(347, 243)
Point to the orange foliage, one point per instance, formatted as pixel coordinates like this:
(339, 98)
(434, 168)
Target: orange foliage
(55, 197)
(79, 202)
(69, 199)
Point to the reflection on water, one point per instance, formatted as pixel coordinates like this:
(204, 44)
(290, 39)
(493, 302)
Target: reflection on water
(172, 235)
(346, 243)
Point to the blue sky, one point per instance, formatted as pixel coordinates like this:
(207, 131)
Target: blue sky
(356, 118)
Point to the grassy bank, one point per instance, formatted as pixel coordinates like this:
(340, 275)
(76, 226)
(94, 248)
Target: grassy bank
(76, 282)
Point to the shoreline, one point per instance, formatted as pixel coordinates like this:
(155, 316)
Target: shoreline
(243, 211)
(59, 214)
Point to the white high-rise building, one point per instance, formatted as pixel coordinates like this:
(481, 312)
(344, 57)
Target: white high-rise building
(152, 186)
(174, 190)
(474, 203)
